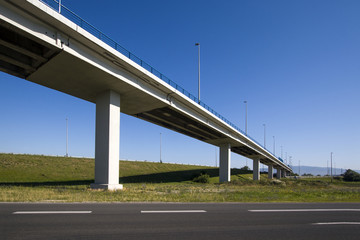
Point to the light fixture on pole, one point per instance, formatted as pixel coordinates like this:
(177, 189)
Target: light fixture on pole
(216, 157)
(160, 149)
(331, 166)
(198, 44)
(245, 117)
(274, 144)
(264, 135)
(67, 138)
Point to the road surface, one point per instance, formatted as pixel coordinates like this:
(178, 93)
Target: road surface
(179, 221)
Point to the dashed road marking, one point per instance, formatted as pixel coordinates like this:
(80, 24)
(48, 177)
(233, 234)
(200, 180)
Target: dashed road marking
(52, 212)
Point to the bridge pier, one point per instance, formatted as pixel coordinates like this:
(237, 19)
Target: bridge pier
(278, 173)
(224, 166)
(107, 141)
(256, 169)
(270, 171)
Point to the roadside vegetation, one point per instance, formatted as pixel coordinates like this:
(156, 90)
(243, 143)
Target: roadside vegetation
(33, 178)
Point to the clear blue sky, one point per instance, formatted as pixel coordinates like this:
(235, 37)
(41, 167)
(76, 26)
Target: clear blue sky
(297, 63)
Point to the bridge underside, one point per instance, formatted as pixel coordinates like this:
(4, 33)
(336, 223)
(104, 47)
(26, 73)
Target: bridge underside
(20, 55)
(65, 64)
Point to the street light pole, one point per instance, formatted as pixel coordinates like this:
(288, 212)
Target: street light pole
(67, 137)
(216, 157)
(264, 135)
(274, 144)
(198, 44)
(331, 166)
(245, 117)
(160, 149)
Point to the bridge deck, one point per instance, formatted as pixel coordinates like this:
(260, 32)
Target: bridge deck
(42, 46)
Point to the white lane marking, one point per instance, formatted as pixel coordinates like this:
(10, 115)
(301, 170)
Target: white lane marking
(175, 211)
(52, 212)
(306, 210)
(337, 223)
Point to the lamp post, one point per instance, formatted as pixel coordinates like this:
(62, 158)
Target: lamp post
(331, 166)
(160, 149)
(274, 144)
(67, 138)
(264, 135)
(216, 157)
(198, 44)
(245, 117)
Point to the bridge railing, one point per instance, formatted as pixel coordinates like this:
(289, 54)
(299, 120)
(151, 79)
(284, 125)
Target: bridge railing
(63, 10)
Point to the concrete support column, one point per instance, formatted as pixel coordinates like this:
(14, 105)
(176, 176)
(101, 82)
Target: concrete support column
(256, 169)
(224, 174)
(270, 172)
(107, 141)
(278, 173)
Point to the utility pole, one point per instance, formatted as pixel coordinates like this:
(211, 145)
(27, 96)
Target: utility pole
(59, 6)
(331, 166)
(67, 136)
(290, 160)
(245, 117)
(274, 144)
(264, 135)
(299, 169)
(215, 157)
(198, 44)
(160, 149)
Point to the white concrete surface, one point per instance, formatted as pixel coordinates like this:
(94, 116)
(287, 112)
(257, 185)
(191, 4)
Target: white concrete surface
(270, 171)
(225, 161)
(278, 173)
(107, 141)
(256, 169)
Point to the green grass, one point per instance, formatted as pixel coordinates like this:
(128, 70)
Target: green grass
(36, 178)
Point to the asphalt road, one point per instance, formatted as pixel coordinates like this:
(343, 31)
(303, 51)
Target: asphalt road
(179, 221)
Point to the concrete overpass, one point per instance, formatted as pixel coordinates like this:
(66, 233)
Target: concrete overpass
(53, 47)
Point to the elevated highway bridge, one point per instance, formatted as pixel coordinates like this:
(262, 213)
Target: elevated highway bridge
(47, 44)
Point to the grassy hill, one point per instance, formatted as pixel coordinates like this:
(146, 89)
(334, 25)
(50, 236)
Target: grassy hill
(45, 178)
(21, 168)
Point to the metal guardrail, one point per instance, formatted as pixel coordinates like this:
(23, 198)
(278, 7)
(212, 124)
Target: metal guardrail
(63, 10)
